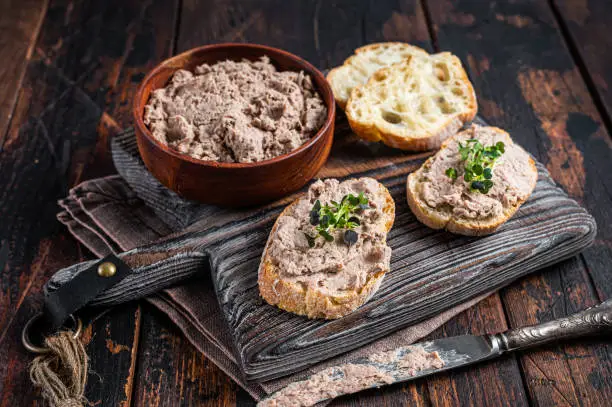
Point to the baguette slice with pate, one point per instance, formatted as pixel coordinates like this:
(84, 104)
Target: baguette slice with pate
(414, 104)
(358, 68)
(442, 201)
(321, 278)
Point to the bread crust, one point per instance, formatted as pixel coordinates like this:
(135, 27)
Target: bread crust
(311, 303)
(437, 219)
(331, 79)
(375, 46)
(373, 131)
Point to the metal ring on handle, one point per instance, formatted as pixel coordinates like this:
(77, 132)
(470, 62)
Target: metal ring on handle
(29, 345)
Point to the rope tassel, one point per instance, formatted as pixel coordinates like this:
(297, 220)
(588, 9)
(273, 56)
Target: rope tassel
(61, 373)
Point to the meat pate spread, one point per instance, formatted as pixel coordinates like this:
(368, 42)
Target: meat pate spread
(235, 111)
(418, 360)
(328, 384)
(413, 360)
(378, 370)
(335, 267)
(512, 176)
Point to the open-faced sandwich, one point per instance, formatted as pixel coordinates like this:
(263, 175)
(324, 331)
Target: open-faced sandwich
(327, 252)
(474, 184)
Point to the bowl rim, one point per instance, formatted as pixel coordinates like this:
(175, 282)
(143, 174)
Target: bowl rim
(329, 120)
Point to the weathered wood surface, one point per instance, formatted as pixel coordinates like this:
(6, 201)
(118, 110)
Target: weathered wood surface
(472, 386)
(129, 37)
(586, 25)
(172, 370)
(57, 137)
(20, 23)
(36, 158)
(531, 87)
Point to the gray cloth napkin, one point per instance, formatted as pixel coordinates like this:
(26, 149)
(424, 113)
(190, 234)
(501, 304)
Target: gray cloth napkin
(121, 212)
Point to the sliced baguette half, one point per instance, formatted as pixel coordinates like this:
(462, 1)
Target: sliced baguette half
(278, 288)
(442, 203)
(357, 69)
(414, 104)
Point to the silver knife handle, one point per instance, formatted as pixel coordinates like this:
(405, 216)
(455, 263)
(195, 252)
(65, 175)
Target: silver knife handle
(592, 321)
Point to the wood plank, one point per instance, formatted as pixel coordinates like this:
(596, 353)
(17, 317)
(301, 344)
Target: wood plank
(53, 143)
(111, 340)
(496, 383)
(534, 90)
(20, 23)
(171, 372)
(325, 33)
(231, 253)
(107, 47)
(130, 39)
(563, 374)
(398, 395)
(58, 123)
(586, 23)
(277, 23)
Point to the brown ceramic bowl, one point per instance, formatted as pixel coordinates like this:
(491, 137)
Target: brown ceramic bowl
(233, 184)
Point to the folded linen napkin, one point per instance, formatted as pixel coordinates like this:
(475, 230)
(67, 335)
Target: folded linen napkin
(121, 212)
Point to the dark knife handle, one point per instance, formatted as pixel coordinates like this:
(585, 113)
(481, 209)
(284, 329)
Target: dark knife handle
(593, 321)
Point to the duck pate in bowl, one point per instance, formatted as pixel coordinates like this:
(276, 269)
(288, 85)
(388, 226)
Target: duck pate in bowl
(234, 124)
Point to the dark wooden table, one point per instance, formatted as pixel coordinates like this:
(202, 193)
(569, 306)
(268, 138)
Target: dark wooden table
(69, 70)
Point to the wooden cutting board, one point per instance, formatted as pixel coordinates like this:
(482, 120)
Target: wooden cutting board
(430, 270)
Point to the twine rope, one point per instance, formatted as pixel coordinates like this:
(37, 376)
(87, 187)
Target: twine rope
(61, 373)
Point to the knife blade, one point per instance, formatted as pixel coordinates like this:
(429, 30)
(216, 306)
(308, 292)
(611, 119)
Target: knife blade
(431, 357)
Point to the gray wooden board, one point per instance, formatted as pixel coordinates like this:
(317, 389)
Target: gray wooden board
(430, 271)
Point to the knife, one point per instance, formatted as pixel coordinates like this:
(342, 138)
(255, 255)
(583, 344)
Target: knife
(427, 358)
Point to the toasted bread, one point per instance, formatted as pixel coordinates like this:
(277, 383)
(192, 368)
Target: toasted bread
(414, 104)
(445, 215)
(311, 302)
(357, 69)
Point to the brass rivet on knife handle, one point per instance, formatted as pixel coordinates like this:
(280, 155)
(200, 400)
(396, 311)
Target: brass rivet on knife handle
(107, 269)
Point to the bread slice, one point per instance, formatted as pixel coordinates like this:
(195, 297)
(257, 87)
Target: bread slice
(299, 298)
(414, 104)
(514, 178)
(358, 68)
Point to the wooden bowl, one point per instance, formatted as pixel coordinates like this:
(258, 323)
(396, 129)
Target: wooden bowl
(233, 184)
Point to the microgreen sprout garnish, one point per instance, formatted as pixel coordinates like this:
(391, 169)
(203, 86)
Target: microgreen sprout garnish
(479, 161)
(338, 215)
(452, 173)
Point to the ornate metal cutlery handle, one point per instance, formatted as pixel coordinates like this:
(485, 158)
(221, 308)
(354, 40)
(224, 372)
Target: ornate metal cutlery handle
(592, 321)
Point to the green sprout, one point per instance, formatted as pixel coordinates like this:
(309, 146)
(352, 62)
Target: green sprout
(478, 164)
(338, 215)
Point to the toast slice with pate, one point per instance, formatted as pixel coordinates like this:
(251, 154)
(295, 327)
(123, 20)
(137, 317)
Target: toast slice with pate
(414, 104)
(327, 253)
(474, 184)
(357, 69)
